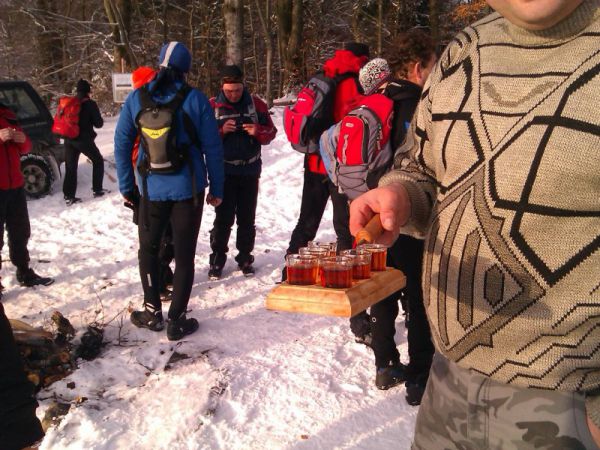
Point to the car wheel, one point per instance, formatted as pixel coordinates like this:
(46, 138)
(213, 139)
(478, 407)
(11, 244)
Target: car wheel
(38, 175)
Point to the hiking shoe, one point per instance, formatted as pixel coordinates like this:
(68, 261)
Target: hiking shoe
(148, 319)
(415, 390)
(247, 269)
(29, 278)
(366, 339)
(214, 272)
(70, 200)
(166, 296)
(100, 193)
(391, 376)
(177, 329)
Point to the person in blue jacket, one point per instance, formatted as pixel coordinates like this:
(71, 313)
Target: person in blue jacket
(170, 197)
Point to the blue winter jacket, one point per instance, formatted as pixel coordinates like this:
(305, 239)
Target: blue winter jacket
(176, 186)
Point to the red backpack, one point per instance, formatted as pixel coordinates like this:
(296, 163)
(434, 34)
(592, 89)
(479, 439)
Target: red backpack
(312, 113)
(357, 151)
(66, 120)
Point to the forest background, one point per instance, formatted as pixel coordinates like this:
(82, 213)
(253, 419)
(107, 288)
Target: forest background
(278, 43)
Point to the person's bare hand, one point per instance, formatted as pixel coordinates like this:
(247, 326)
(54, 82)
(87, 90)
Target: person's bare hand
(18, 136)
(250, 128)
(6, 134)
(594, 431)
(392, 204)
(213, 201)
(229, 126)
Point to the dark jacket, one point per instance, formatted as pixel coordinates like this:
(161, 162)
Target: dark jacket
(89, 118)
(347, 94)
(239, 147)
(10, 153)
(406, 96)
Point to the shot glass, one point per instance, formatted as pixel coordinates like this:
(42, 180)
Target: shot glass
(361, 263)
(378, 254)
(317, 252)
(336, 272)
(301, 269)
(332, 246)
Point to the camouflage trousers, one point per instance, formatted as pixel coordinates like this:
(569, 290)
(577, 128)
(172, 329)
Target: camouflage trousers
(462, 409)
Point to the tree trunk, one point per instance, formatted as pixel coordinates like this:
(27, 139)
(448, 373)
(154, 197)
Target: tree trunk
(290, 20)
(50, 48)
(233, 13)
(434, 23)
(118, 13)
(265, 23)
(379, 27)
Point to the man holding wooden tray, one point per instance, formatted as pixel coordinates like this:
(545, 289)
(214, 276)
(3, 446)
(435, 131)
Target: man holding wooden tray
(500, 175)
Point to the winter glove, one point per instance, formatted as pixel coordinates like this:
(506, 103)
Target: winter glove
(132, 199)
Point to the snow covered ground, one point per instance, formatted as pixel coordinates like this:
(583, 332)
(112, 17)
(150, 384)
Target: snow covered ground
(254, 379)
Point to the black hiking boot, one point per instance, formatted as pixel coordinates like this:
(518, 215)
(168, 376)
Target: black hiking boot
(166, 296)
(27, 277)
(148, 319)
(415, 388)
(391, 376)
(177, 329)
(214, 272)
(366, 339)
(247, 269)
(70, 200)
(100, 193)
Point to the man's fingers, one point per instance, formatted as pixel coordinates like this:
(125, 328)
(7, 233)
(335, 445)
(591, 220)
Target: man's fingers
(362, 210)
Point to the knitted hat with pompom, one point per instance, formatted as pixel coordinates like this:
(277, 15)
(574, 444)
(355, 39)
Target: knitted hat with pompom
(373, 74)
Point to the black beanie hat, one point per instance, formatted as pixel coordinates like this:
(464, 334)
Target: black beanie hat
(357, 48)
(83, 86)
(232, 74)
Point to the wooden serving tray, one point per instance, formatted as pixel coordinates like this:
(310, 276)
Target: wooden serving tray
(347, 302)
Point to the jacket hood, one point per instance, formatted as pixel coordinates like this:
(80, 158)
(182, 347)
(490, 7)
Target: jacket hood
(343, 61)
(399, 89)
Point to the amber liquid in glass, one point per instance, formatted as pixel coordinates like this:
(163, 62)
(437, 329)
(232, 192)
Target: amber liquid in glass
(336, 277)
(300, 274)
(378, 261)
(361, 271)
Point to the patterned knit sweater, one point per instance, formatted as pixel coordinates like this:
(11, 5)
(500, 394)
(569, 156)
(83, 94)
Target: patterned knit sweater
(503, 175)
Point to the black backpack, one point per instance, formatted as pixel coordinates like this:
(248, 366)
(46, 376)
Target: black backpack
(157, 130)
(158, 133)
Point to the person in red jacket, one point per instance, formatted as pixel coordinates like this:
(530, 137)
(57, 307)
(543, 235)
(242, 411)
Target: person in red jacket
(345, 65)
(13, 205)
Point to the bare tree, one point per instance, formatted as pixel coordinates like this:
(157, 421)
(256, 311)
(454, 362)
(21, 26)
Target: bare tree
(290, 21)
(234, 31)
(265, 22)
(118, 13)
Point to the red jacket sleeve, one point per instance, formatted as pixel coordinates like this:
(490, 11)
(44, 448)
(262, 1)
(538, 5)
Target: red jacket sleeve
(213, 105)
(266, 130)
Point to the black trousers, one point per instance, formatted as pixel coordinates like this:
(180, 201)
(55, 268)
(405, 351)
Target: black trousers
(19, 426)
(341, 218)
(185, 218)
(72, 151)
(407, 255)
(239, 204)
(15, 218)
(316, 190)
